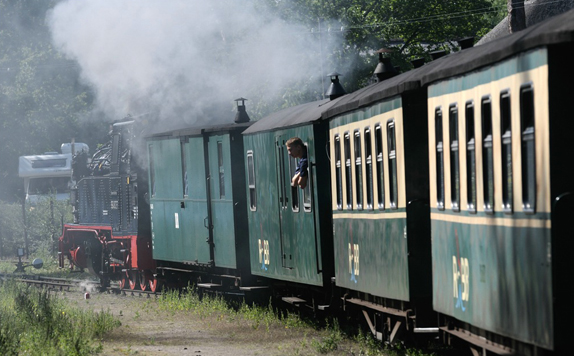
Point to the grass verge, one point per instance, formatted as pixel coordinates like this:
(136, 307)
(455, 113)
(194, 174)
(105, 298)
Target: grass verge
(268, 322)
(35, 322)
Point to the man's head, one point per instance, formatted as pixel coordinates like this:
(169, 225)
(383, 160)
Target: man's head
(295, 147)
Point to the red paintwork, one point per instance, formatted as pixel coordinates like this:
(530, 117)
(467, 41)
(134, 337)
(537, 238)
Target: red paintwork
(138, 248)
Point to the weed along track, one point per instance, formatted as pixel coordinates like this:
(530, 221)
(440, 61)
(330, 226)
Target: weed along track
(183, 322)
(190, 322)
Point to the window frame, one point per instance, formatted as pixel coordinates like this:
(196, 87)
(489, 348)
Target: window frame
(358, 165)
(368, 168)
(379, 142)
(439, 164)
(251, 178)
(454, 157)
(338, 172)
(308, 190)
(348, 169)
(151, 170)
(471, 193)
(506, 151)
(527, 149)
(392, 164)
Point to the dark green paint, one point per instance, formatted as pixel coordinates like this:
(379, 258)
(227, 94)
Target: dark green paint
(521, 63)
(294, 238)
(510, 278)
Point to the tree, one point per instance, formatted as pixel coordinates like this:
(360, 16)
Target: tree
(41, 96)
(411, 29)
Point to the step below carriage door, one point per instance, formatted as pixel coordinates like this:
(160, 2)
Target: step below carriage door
(288, 201)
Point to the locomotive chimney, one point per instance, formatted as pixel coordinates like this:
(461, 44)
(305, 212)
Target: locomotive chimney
(241, 115)
(335, 89)
(385, 69)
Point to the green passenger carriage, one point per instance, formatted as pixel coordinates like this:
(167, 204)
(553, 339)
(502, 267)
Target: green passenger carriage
(289, 227)
(378, 155)
(197, 204)
(500, 197)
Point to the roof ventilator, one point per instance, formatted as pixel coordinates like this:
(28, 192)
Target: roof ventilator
(335, 89)
(241, 115)
(385, 69)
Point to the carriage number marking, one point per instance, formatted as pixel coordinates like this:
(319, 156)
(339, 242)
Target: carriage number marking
(264, 252)
(460, 283)
(354, 261)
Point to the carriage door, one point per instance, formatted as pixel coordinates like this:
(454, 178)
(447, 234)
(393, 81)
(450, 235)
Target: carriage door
(221, 201)
(288, 201)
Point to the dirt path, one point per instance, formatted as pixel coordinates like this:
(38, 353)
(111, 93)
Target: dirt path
(147, 331)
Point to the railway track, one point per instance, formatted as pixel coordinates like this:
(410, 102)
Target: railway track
(64, 284)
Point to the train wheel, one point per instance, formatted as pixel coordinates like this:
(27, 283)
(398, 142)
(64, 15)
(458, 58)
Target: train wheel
(123, 281)
(133, 279)
(144, 280)
(155, 284)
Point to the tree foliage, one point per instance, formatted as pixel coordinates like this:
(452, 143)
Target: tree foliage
(411, 29)
(41, 96)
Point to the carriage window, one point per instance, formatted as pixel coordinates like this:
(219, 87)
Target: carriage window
(358, 171)
(184, 168)
(439, 159)
(454, 158)
(307, 196)
(470, 158)
(348, 170)
(380, 175)
(281, 173)
(251, 181)
(369, 167)
(339, 184)
(294, 189)
(221, 170)
(487, 157)
(506, 130)
(528, 148)
(393, 188)
(151, 171)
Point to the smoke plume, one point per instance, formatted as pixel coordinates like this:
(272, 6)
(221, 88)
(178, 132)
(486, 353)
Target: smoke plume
(178, 59)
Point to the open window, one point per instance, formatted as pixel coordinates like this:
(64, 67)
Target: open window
(294, 189)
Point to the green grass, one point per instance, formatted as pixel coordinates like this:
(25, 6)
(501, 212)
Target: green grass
(326, 338)
(36, 322)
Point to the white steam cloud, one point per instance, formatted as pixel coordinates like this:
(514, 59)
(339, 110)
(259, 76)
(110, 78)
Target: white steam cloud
(178, 58)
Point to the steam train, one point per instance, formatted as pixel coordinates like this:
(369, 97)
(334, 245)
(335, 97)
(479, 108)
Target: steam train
(438, 200)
